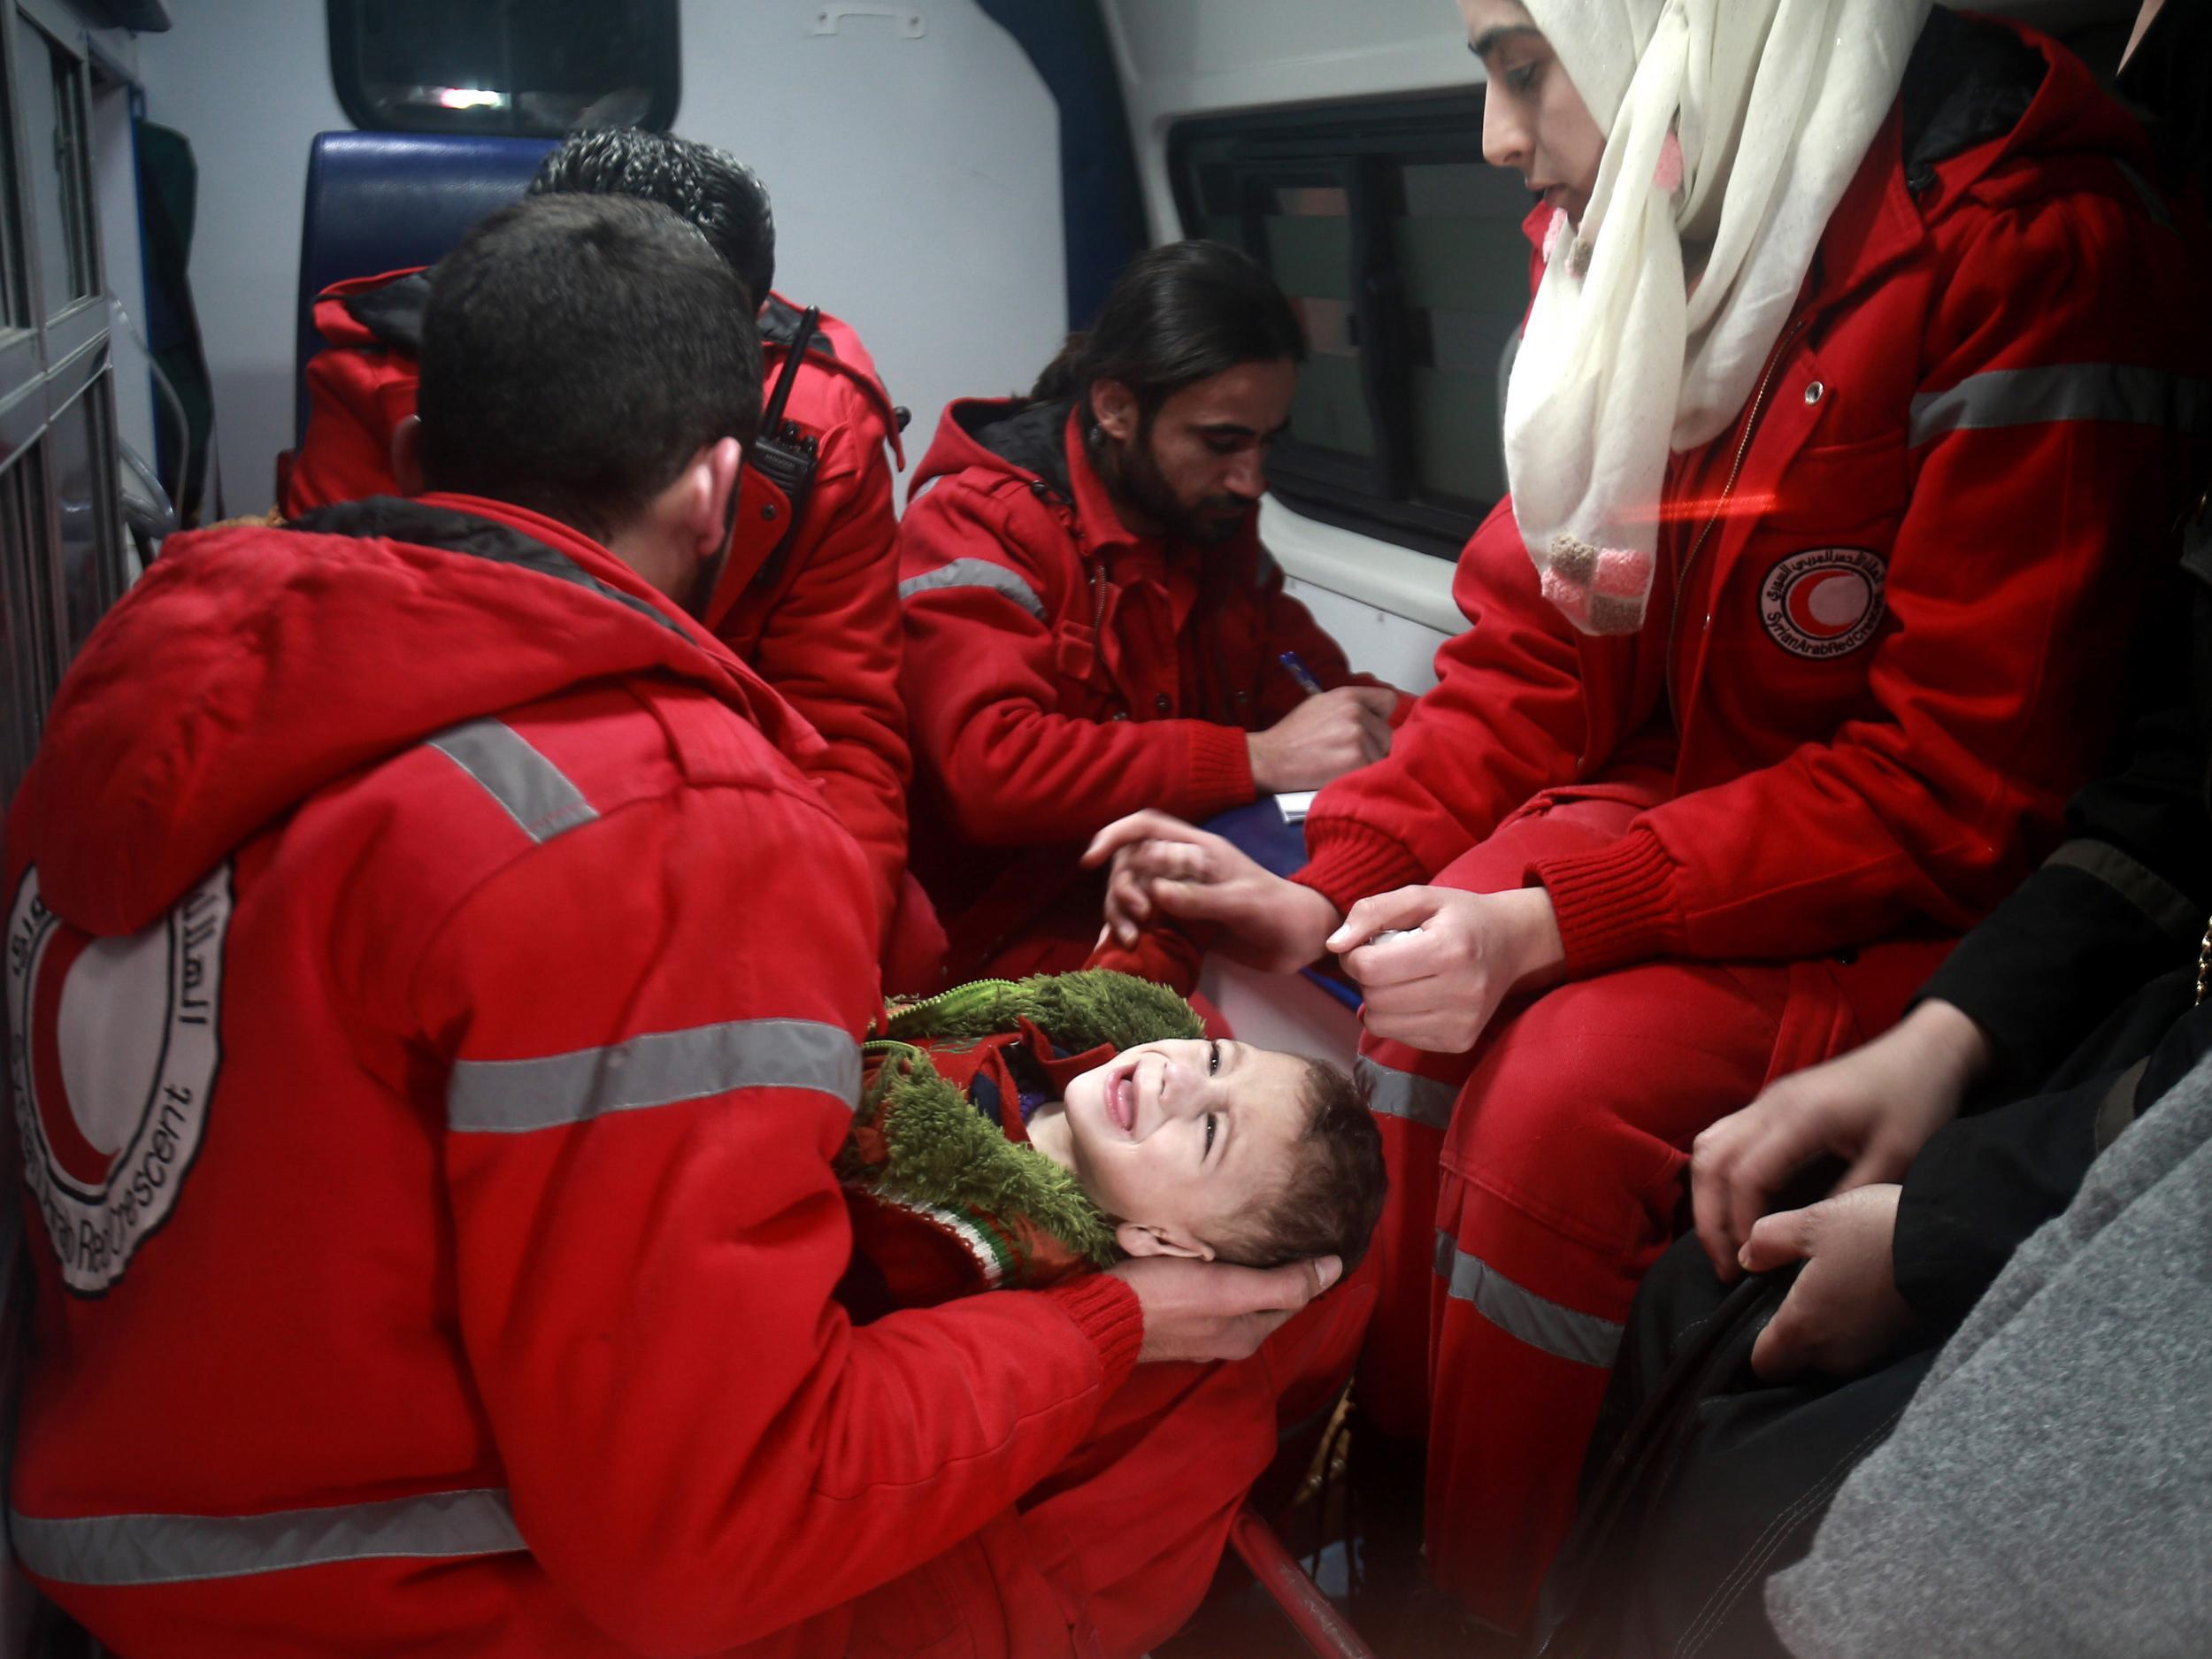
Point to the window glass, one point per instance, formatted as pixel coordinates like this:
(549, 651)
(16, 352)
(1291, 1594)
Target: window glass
(1306, 230)
(25, 677)
(1401, 252)
(84, 493)
(544, 67)
(15, 311)
(51, 83)
(1455, 235)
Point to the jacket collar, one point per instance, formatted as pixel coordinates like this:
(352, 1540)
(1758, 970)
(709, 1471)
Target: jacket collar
(1097, 521)
(1979, 93)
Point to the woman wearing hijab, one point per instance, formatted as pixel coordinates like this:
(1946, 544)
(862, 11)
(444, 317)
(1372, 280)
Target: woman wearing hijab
(2028, 1391)
(1847, 425)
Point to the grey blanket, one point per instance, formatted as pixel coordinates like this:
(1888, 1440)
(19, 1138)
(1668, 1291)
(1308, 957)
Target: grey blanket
(2049, 1490)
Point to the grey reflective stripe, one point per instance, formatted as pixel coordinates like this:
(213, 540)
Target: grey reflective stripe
(531, 787)
(514, 1096)
(1522, 1314)
(2066, 391)
(121, 1549)
(1397, 1093)
(2165, 905)
(976, 574)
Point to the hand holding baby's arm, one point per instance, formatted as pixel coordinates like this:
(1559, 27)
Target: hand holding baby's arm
(1208, 1311)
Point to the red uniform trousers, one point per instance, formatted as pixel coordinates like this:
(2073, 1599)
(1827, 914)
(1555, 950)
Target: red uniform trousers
(1534, 1178)
(1112, 1554)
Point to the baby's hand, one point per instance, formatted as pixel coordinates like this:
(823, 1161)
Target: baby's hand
(1209, 1311)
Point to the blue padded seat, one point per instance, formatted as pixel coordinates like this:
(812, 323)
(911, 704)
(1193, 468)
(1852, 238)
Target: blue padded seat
(382, 201)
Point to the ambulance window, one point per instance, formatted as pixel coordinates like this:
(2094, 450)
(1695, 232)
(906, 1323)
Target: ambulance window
(1402, 251)
(50, 81)
(15, 307)
(61, 544)
(515, 66)
(25, 657)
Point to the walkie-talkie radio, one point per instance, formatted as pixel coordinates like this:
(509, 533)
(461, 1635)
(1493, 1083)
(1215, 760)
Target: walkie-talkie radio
(783, 454)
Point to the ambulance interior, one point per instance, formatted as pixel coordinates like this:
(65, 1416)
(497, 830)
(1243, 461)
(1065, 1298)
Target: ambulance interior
(960, 179)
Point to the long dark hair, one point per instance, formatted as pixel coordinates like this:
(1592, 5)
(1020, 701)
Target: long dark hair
(1177, 315)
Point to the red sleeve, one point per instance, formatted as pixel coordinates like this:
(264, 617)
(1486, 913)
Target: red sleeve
(356, 397)
(830, 646)
(2024, 543)
(1511, 714)
(654, 1021)
(980, 692)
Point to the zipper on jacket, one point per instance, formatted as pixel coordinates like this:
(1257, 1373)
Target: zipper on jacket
(1720, 508)
(899, 1011)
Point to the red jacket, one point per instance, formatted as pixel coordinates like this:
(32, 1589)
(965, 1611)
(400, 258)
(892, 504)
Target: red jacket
(1062, 670)
(1893, 599)
(822, 626)
(438, 1004)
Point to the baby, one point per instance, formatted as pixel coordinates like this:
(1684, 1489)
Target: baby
(1009, 1135)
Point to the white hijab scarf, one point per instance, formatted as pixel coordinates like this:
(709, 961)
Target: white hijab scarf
(1733, 127)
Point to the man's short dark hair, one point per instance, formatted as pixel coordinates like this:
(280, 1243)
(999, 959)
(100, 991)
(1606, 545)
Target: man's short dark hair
(710, 189)
(1333, 1197)
(1177, 315)
(577, 352)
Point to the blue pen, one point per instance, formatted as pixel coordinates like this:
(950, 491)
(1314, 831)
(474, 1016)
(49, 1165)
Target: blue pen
(1295, 666)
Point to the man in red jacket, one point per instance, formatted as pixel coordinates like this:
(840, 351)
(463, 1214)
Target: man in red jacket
(435, 994)
(808, 599)
(1092, 625)
(1636, 856)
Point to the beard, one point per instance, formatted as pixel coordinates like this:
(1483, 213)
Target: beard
(1134, 472)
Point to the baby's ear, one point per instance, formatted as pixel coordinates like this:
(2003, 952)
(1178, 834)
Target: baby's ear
(1136, 1239)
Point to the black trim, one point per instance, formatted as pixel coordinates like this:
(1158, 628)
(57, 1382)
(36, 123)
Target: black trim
(393, 311)
(1968, 81)
(780, 321)
(345, 74)
(1023, 433)
(391, 518)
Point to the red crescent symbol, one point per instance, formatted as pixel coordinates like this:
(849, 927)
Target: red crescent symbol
(1798, 604)
(83, 1162)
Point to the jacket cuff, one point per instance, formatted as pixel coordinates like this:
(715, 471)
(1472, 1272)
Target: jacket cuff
(1219, 767)
(1347, 862)
(1107, 1311)
(1615, 906)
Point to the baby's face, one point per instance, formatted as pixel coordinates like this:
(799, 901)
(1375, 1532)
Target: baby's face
(1182, 1137)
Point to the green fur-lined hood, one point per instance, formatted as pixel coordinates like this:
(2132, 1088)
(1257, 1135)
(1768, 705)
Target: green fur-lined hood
(939, 1152)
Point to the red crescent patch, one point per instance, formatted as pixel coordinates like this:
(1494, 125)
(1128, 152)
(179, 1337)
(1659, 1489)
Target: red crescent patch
(116, 1045)
(81, 1161)
(1825, 601)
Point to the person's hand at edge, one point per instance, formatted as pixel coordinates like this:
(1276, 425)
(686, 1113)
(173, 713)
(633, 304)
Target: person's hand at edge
(1330, 733)
(1163, 866)
(1449, 959)
(1875, 1106)
(1844, 1315)
(1210, 1310)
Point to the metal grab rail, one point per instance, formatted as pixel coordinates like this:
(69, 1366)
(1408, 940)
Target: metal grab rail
(1322, 1627)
